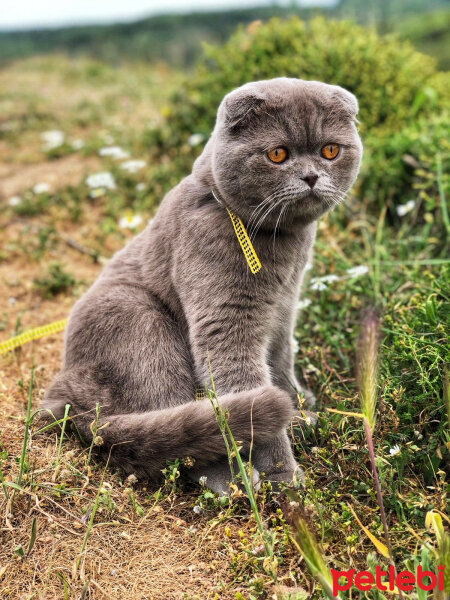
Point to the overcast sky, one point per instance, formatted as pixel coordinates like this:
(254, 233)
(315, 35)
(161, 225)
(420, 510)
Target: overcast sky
(21, 14)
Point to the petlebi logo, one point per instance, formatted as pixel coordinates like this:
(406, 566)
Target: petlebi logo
(388, 580)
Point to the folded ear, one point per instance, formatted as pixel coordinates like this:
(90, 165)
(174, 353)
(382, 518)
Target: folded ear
(346, 100)
(239, 107)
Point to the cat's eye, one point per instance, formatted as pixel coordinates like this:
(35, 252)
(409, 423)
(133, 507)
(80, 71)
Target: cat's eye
(330, 151)
(278, 155)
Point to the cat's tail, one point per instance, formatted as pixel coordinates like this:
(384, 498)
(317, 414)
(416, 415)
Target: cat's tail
(142, 443)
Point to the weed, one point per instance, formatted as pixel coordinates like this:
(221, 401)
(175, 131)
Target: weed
(55, 282)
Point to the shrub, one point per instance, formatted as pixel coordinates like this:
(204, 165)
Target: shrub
(395, 85)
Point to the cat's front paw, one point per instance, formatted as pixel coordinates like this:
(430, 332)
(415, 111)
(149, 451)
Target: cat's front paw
(293, 477)
(310, 400)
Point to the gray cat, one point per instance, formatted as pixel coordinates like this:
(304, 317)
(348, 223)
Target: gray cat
(180, 302)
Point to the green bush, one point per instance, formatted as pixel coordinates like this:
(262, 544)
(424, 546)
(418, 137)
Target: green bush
(398, 90)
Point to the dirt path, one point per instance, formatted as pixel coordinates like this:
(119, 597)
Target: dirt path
(69, 170)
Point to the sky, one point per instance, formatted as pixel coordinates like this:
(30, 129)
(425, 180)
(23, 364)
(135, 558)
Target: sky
(27, 14)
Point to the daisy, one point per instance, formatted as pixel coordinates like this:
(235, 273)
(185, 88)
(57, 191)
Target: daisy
(195, 139)
(97, 192)
(395, 450)
(318, 285)
(133, 166)
(115, 152)
(15, 201)
(358, 271)
(99, 180)
(304, 303)
(41, 188)
(321, 283)
(52, 139)
(404, 209)
(130, 222)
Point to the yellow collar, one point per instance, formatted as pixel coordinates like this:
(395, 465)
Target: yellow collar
(246, 245)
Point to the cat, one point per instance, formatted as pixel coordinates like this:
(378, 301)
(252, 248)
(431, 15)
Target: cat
(179, 303)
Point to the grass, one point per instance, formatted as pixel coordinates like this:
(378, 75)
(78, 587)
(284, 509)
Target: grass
(130, 538)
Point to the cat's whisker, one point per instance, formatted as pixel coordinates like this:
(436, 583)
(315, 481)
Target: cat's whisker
(261, 206)
(265, 215)
(283, 208)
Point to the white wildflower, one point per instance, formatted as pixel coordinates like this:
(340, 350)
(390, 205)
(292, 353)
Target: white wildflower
(52, 139)
(99, 180)
(140, 187)
(195, 139)
(328, 278)
(77, 144)
(133, 166)
(197, 509)
(358, 271)
(97, 192)
(395, 450)
(115, 152)
(130, 222)
(202, 480)
(404, 209)
(303, 303)
(15, 201)
(41, 188)
(321, 283)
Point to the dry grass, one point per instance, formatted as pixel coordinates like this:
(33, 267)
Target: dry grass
(168, 552)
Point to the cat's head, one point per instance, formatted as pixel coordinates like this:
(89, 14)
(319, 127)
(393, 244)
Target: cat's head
(283, 148)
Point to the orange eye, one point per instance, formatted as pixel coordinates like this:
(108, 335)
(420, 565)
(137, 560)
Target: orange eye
(330, 151)
(277, 155)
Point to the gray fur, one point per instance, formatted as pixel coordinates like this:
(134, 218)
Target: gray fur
(180, 300)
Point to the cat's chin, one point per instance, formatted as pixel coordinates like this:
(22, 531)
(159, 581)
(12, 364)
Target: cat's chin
(310, 206)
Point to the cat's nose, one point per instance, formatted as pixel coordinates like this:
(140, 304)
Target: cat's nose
(311, 179)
